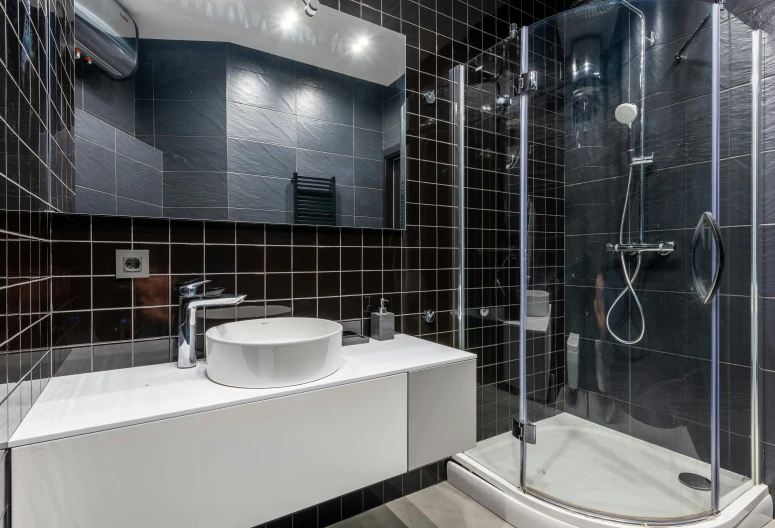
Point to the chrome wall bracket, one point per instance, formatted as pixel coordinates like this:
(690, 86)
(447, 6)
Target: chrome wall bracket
(528, 82)
(523, 432)
(642, 160)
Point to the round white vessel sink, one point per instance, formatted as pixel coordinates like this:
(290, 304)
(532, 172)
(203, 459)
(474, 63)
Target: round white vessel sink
(263, 353)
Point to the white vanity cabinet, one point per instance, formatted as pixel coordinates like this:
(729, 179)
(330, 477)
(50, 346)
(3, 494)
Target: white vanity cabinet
(242, 464)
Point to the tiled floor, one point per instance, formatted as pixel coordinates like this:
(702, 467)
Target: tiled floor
(440, 506)
(771, 524)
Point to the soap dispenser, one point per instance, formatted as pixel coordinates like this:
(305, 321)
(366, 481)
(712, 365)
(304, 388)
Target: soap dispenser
(383, 323)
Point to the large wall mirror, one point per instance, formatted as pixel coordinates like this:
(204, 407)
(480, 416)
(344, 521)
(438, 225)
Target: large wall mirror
(257, 111)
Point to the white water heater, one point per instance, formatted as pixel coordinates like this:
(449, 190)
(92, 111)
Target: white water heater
(106, 36)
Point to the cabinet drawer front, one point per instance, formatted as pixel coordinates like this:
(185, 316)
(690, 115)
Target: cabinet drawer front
(234, 467)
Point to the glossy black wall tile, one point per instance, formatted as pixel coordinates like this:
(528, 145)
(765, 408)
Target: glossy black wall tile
(283, 270)
(37, 175)
(115, 172)
(492, 232)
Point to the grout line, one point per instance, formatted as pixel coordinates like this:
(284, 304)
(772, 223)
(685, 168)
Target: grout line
(20, 332)
(91, 303)
(22, 283)
(29, 237)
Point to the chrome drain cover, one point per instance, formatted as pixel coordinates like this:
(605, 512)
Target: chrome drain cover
(694, 481)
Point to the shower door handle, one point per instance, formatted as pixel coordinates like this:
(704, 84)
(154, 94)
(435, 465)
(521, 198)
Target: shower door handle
(707, 237)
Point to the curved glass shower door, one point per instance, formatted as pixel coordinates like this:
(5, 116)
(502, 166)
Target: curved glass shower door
(611, 317)
(624, 259)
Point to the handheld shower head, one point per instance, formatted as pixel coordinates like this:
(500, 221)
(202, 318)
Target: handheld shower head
(626, 113)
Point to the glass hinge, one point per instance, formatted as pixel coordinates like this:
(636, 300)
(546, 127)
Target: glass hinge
(528, 82)
(524, 432)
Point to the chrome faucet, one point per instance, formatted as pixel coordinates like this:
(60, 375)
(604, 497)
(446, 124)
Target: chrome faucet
(189, 303)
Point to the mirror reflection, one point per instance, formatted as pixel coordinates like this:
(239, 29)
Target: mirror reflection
(262, 111)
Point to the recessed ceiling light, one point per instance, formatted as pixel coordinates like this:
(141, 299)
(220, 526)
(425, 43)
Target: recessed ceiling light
(289, 20)
(361, 43)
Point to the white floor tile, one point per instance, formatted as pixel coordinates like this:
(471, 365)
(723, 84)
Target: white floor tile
(440, 506)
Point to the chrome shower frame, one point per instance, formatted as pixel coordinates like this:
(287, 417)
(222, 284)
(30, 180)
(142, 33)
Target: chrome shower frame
(756, 93)
(642, 83)
(458, 84)
(715, 399)
(524, 64)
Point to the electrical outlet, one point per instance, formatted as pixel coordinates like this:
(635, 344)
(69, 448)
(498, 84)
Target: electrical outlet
(132, 263)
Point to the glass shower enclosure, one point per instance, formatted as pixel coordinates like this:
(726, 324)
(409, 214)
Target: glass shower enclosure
(606, 259)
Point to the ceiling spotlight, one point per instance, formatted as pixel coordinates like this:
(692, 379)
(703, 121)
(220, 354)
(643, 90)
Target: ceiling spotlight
(311, 7)
(360, 44)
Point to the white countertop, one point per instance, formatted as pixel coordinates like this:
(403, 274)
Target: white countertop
(99, 401)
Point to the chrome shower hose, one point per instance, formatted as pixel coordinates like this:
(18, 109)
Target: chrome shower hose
(627, 278)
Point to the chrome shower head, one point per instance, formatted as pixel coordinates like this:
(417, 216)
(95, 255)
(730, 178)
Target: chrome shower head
(592, 8)
(626, 113)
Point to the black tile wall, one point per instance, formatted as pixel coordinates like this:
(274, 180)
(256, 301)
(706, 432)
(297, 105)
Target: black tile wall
(289, 270)
(115, 174)
(547, 258)
(492, 229)
(491, 199)
(36, 176)
(492, 232)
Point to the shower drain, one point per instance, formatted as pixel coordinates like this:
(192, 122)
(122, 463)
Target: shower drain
(694, 481)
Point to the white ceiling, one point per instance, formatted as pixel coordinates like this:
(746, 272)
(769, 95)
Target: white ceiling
(325, 40)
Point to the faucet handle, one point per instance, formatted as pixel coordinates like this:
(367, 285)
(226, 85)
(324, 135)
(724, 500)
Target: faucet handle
(188, 289)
